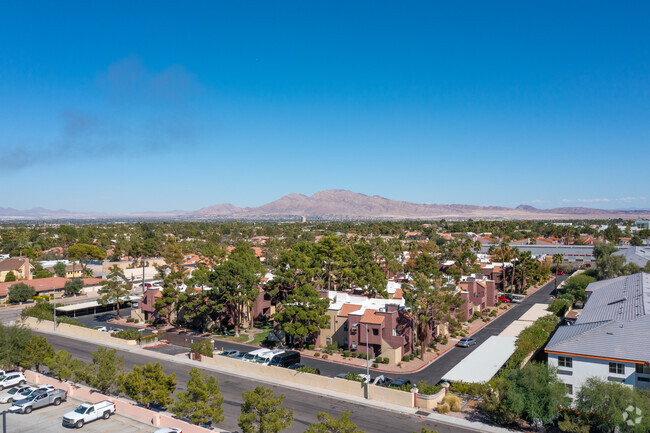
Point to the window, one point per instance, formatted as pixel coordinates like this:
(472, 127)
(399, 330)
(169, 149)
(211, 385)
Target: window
(642, 369)
(565, 361)
(375, 332)
(394, 332)
(345, 326)
(616, 368)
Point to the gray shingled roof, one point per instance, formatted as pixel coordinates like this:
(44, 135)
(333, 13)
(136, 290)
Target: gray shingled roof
(636, 255)
(615, 322)
(620, 340)
(622, 298)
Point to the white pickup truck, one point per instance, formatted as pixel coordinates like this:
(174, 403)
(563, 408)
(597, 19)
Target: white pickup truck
(88, 412)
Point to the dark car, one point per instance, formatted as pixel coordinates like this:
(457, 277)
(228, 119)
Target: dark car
(286, 359)
(399, 382)
(297, 366)
(466, 342)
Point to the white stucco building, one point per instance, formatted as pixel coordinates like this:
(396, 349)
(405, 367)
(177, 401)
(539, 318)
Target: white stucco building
(610, 337)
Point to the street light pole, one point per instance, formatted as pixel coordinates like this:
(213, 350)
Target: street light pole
(54, 299)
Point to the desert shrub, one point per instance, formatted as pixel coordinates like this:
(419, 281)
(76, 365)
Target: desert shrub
(405, 358)
(127, 334)
(476, 389)
(453, 402)
(354, 377)
(425, 388)
(346, 353)
(130, 320)
(312, 347)
(317, 355)
(443, 408)
(306, 369)
(385, 360)
(325, 356)
(375, 365)
(361, 355)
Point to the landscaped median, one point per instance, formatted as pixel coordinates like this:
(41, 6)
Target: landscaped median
(350, 387)
(156, 419)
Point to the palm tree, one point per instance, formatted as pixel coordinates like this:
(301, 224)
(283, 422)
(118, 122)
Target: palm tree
(558, 259)
(503, 253)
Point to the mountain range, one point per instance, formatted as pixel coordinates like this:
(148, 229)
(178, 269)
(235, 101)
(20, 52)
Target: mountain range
(337, 205)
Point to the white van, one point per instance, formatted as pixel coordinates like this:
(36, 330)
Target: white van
(267, 357)
(252, 356)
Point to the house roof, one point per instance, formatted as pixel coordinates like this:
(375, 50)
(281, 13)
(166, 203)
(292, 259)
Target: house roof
(11, 264)
(347, 309)
(40, 285)
(370, 317)
(614, 322)
(636, 255)
(399, 294)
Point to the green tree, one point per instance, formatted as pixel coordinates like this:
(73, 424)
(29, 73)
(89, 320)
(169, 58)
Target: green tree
(431, 305)
(13, 340)
(202, 403)
(602, 249)
(73, 287)
(503, 254)
(149, 385)
(64, 367)
(535, 392)
(21, 292)
(607, 402)
(10, 277)
(304, 314)
(577, 284)
(262, 412)
(85, 253)
(106, 369)
(114, 288)
(60, 269)
(328, 424)
(37, 350)
(610, 266)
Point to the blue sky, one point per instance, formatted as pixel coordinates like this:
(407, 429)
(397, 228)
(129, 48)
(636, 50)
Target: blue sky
(158, 105)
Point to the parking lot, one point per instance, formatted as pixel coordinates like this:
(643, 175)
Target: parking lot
(49, 420)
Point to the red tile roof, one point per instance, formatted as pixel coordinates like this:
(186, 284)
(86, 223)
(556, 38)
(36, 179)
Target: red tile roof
(347, 309)
(370, 317)
(40, 285)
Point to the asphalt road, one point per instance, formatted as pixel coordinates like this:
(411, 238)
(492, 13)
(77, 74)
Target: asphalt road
(305, 405)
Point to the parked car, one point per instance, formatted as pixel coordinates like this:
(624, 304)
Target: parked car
(285, 359)
(265, 358)
(12, 378)
(169, 430)
(466, 342)
(399, 382)
(230, 353)
(297, 366)
(504, 299)
(560, 272)
(8, 396)
(101, 328)
(366, 378)
(88, 412)
(382, 380)
(240, 355)
(253, 355)
(587, 265)
(38, 400)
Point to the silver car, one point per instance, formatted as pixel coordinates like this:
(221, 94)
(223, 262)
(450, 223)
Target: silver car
(466, 342)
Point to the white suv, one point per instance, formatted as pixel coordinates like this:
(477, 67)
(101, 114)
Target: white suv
(12, 378)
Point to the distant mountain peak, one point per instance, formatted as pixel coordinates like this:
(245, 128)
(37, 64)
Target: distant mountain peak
(526, 207)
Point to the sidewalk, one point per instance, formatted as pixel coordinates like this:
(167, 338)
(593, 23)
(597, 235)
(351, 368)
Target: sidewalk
(479, 427)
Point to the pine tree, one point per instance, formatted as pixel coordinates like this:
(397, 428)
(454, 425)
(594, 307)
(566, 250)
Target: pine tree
(202, 403)
(262, 412)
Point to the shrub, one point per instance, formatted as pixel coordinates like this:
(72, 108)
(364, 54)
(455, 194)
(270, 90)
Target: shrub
(405, 358)
(306, 369)
(375, 365)
(130, 320)
(425, 388)
(21, 292)
(475, 389)
(312, 347)
(204, 348)
(453, 402)
(331, 348)
(346, 353)
(385, 360)
(443, 408)
(353, 376)
(45, 311)
(127, 334)
(317, 355)
(493, 313)
(148, 338)
(325, 356)
(361, 355)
